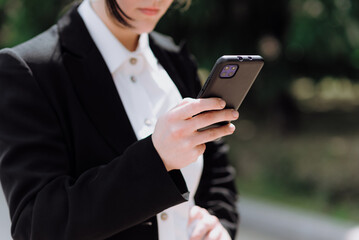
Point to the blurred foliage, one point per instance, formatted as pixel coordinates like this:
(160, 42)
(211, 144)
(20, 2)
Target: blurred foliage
(22, 19)
(316, 168)
(309, 83)
(297, 38)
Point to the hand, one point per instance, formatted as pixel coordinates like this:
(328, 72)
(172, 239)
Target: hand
(176, 138)
(206, 226)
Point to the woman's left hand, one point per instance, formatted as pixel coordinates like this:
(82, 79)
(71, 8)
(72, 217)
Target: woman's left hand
(206, 226)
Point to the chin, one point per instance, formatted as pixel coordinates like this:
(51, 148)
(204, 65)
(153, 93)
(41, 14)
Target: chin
(144, 28)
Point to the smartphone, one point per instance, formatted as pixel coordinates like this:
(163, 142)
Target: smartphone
(230, 79)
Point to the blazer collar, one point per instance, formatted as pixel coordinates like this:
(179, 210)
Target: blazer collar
(93, 82)
(163, 48)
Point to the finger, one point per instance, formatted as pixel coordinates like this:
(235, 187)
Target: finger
(199, 150)
(205, 225)
(212, 134)
(216, 233)
(195, 106)
(195, 213)
(208, 118)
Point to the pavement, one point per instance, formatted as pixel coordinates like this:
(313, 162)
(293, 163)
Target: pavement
(4, 218)
(267, 221)
(261, 220)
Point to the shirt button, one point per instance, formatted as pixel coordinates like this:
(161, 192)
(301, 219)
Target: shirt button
(164, 216)
(133, 61)
(148, 122)
(133, 79)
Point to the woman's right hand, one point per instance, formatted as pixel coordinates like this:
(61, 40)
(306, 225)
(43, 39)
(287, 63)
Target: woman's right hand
(176, 138)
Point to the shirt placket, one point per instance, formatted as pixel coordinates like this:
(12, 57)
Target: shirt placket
(143, 114)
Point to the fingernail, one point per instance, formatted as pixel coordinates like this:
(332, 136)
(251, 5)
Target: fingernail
(232, 127)
(222, 103)
(235, 113)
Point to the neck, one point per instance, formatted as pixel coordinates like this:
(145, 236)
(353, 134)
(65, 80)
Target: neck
(128, 38)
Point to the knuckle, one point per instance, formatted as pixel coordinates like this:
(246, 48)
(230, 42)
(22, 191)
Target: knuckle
(218, 103)
(202, 149)
(205, 224)
(214, 219)
(196, 104)
(212, 133)
(229, 114)
(196, 237)
(187, 100)
(209, 117)
(196, 208)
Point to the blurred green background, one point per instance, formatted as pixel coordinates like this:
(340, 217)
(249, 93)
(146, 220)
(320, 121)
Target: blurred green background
(298, 135)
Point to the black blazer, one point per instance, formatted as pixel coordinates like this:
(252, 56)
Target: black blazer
(70, 164)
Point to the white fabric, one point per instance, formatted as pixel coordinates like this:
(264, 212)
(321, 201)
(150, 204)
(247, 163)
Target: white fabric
(147, 92)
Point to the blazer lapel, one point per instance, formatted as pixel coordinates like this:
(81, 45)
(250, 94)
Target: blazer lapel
(162, 49)
(93, 82)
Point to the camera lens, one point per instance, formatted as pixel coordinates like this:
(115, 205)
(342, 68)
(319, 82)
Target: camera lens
(240, 59)
(228, 71)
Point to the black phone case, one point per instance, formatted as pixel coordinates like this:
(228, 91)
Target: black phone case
(234, 89)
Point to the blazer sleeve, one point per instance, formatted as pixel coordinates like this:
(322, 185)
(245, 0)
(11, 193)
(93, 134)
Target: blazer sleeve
(45, 202)
(217, 191)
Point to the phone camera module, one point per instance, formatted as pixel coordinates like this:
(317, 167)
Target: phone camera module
(228, 71)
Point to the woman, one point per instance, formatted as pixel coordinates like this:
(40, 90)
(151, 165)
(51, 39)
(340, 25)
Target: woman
(96, 141)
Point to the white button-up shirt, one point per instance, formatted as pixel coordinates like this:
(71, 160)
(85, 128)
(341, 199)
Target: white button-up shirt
(147, 92)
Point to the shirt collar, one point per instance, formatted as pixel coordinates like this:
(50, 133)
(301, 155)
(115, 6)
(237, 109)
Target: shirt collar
(112, 50)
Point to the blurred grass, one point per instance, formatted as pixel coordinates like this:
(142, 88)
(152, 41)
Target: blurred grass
(315, 167)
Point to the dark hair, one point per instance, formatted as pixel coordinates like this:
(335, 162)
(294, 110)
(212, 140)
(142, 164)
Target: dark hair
(115, 11)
